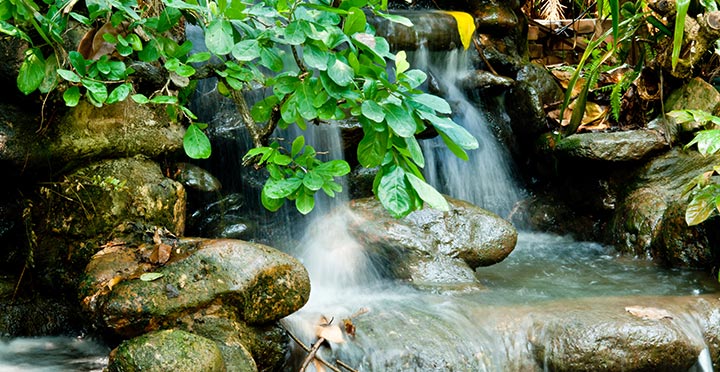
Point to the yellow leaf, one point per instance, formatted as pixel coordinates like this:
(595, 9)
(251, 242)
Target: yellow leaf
(466, 26)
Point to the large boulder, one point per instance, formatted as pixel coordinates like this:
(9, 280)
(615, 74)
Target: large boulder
(430, 245)
(259, 283)
(649, 220)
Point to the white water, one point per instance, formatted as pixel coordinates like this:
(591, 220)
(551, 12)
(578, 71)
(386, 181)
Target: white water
(52, 354)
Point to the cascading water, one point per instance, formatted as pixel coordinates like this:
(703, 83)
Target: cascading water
(504, 327)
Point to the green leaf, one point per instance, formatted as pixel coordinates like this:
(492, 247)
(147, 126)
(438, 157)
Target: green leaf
(96, 90)
(196, 143)
(140, 98)
(615, 18)
(313, 180)
(271, 59)
(304, 97)
(119, 93)
(78, 62)
(305, 203)
(355, 21)
(702, 206)
(199, 57)
(69, 75)
(149, 277)
(32, 71)
(415, 152)
(219, 37)
(335, 168)
(282, 188)
(373, 111)
(401, 63)
(428, 193)
(371, 149)
(396, 19)
(708, 141)
(72, 96)
(452, 130)
(433, 102)
(297, 146)
(341, 73)
(393, 193)
(270, 203)
(246, 50)
(262, 110)
(315, 57)
(682, 8)
(295, 32)
(399, 120)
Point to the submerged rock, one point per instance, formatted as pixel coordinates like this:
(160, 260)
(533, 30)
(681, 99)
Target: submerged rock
(168, 350)
(429, 241)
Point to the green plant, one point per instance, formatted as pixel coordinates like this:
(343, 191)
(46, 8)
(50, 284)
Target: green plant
(319, 61)
(704, 190)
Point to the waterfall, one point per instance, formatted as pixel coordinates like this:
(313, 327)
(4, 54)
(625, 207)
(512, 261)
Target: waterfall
(488, 178)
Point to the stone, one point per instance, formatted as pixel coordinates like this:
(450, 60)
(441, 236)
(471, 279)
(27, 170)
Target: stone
(124, 129)
(260, 284)
(628, 145)
(649, 219)
(430, 245)
(80, 213)
(696, 94)
(167, 350)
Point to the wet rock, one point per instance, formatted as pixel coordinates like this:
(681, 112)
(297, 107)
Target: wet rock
(265, 345)
(225, 217)
(610, 339)
(649, 220)
(696, 94)
(168, 350)
(427, 238)
(612, 146)
(260, 284)
(197, 178)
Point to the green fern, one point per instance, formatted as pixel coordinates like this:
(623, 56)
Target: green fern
(618, 90)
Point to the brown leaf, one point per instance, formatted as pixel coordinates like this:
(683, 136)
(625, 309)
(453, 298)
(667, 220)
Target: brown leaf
(331, 332)
(160, 254)
(651, 313)
(349, 327)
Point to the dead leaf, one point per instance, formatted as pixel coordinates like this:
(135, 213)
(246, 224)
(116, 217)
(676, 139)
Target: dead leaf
(349, 327)
(330, 332)
(112, 282)
(651, 313)
(160, 254)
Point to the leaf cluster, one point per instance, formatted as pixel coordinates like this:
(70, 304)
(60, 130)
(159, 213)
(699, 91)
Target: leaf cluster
(317, 61)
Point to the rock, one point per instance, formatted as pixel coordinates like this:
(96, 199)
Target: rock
(696, 94)
(168, 350)
(124, 129)
(466, 235)
(612, 146)
(260, 284)
(79, 214)
(649, 219)
(196, 178)
(242, 345)
(608, 340)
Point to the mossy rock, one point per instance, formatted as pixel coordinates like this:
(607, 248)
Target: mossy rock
(168, 350)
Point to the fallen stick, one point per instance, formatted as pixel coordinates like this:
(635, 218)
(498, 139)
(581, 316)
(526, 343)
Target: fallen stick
(307, 349)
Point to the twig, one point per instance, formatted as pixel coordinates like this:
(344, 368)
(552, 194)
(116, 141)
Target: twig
(307, 349)
(311, 354)
(480, 52)
(344, 365)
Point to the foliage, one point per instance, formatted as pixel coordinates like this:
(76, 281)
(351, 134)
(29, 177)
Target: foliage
(316, 61)
(704, 190)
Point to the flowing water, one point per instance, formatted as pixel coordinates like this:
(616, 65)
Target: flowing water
(52, 354)
(401, 328)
